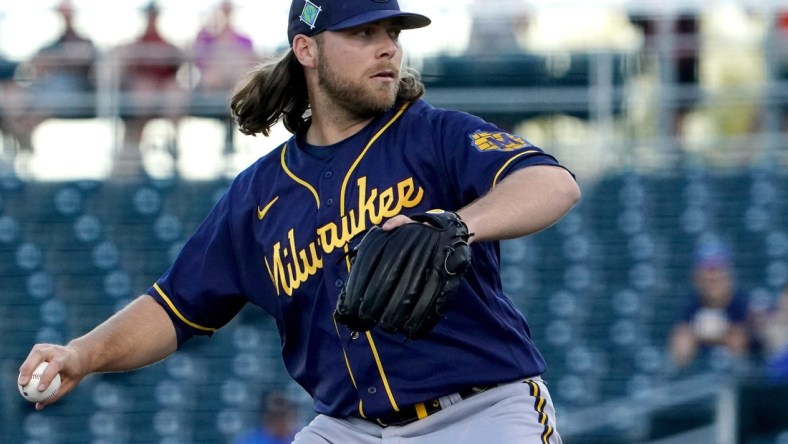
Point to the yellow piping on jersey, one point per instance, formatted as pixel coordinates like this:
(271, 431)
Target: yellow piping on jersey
(350, 372)
(298, 179)
(361, 156)
(382, 373)
(347, 259)
(347, 362)
(178, 313)
(498, 174)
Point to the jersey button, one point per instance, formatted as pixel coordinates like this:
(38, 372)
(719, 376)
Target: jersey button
(354, 335)
(330, 202)
(339, 283)
(328, 174)
(372, 390)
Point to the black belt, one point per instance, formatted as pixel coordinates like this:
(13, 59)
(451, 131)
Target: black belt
(421, 410)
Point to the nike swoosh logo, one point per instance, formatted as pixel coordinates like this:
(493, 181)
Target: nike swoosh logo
(262, 212)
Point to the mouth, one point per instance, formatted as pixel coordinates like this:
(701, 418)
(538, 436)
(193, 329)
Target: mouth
(387, 75)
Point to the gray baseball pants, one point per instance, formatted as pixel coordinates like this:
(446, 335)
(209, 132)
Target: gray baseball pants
(520, 412)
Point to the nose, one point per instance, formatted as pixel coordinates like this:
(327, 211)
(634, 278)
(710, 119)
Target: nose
(388, 47)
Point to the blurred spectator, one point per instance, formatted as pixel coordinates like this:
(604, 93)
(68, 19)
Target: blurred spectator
(148, 78)
(221, 54)
(278, 421)
(494, 27)
(773, 332)
(734, 74)
(60, 75)
(716, 316)
(677, 64)
(8, 89)
(781, 34)
(782, 40)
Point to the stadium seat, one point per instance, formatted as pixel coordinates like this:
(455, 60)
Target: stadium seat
(108, 426)
(88, 229)
(9, 231)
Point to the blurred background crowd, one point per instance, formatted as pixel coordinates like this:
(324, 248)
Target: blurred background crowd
(660, 302)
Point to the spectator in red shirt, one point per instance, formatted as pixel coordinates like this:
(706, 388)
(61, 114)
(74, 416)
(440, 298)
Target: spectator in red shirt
(150, 87)
(59, 82)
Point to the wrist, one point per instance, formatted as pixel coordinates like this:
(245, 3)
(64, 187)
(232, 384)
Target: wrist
(79, 356)
(470, 224)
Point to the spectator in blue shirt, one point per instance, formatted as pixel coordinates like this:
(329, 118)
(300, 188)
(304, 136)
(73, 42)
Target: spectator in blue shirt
(716, 315)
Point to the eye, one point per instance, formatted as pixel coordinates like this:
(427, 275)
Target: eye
(363, 31)
(394, 33)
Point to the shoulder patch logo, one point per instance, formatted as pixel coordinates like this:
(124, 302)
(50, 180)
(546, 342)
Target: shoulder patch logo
(309, 14)
(498, 141)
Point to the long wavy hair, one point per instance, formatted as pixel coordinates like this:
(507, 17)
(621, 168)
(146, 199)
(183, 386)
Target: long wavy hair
(277, 90)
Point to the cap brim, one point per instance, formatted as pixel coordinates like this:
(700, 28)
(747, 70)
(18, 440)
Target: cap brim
(408, 20)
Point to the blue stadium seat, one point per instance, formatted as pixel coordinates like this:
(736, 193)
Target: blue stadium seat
(9, 231)
(108, 426)
(88, 229)
(29, 257)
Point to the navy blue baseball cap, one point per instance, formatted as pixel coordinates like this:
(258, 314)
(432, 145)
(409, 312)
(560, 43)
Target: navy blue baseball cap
(712, 254)
(310, 17)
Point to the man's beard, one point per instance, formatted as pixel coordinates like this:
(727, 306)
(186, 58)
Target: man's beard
(352, 96)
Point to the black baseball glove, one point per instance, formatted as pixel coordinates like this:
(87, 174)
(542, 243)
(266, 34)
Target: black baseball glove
(404, 279)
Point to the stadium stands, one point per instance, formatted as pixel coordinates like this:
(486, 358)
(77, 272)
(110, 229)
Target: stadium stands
(600, 290)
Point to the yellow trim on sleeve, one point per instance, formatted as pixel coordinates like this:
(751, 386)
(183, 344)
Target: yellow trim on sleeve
(382, 373)
(421, 411)
(508, 162)
(298, 179)
(178, 313)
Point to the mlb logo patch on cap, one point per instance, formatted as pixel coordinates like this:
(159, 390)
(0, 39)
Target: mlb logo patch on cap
(309, 14)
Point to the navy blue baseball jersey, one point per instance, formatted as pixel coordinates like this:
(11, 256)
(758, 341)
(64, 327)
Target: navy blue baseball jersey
(278, 239)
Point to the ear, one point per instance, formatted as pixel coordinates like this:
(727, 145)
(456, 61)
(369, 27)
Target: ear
(305, 50)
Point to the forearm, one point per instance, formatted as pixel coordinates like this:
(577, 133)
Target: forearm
(138, 335)
(683, 345)
(525, 202)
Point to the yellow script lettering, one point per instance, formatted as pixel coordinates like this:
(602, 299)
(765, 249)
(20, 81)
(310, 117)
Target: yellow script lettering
(293, 267)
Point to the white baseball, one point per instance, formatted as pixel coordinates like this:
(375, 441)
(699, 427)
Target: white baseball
(30, 390)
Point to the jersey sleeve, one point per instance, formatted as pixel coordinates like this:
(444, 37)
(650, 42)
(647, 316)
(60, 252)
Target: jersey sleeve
(202, 290)
(479, 155)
